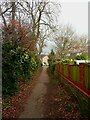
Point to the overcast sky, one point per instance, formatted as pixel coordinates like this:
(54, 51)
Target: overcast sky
(76, 14)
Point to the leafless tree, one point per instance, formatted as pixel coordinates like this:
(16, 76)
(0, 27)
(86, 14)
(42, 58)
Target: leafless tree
(69, 44)
(64, 40)
(37, 15)
(41, 17)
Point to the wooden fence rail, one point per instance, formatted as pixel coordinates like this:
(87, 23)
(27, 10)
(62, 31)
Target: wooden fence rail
(77, 75)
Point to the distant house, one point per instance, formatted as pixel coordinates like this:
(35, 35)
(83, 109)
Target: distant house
(44, 59)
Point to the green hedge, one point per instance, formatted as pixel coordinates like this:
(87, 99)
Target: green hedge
(17, 64)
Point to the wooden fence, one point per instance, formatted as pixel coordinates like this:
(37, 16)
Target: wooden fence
(77, 75)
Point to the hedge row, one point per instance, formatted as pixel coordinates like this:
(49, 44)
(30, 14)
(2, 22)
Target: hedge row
(17, 64)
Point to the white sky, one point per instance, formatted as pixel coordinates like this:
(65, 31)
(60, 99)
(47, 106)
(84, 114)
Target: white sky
(76, 14)
(73, 12)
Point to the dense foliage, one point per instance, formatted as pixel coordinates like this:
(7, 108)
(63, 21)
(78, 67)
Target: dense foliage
(67, 61)
(17, 64)
(51, 61)
(81, 57)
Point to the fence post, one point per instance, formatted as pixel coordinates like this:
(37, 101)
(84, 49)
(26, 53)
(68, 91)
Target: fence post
(82, 75)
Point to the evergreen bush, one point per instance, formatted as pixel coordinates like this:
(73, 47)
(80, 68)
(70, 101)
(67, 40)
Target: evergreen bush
(17, 64)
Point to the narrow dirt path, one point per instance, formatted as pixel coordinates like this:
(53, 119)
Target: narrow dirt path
(50, 99)
(34, 107)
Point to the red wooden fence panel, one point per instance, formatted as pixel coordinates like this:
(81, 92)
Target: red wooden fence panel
(81, 83)
(68, 71)
(63, 69)
(82, 75)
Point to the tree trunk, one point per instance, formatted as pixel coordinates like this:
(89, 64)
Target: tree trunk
(13, 10)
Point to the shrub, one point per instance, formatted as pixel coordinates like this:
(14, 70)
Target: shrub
(33, 64)
(52, 67)
(9, 79)
(81, 57)
(24, 66)
(38, 61)
(67, 61)
(17, 64)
